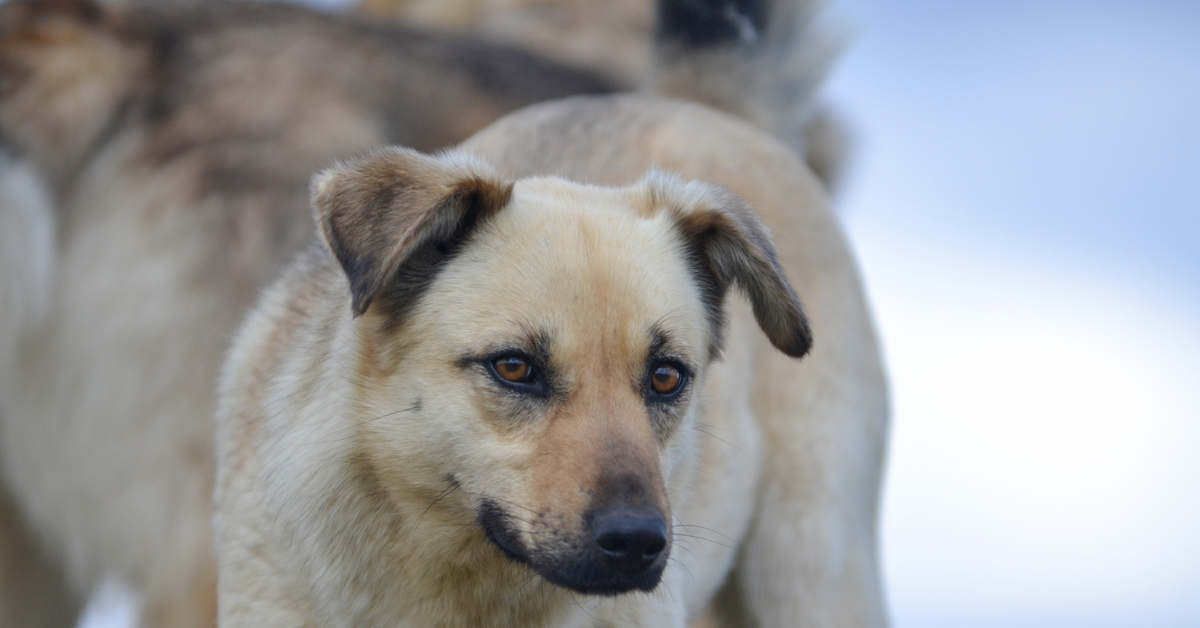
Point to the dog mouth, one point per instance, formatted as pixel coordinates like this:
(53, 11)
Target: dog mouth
(494, 522)
(625, 549)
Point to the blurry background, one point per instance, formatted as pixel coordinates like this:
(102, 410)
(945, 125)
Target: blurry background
(1025, 200)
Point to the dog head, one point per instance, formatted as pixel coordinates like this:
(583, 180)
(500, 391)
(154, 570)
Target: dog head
(541, 345)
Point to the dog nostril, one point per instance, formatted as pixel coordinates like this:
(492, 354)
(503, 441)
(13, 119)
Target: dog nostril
(654, 548)
(635, 537)
(613, 544)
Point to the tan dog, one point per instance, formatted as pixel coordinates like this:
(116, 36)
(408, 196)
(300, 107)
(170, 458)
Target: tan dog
(491, 396)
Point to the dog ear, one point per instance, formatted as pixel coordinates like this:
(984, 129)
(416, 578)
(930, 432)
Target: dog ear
(380, 212)
(731, 247)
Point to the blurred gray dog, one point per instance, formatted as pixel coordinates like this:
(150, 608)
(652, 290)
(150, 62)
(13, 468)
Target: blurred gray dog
(158, 162)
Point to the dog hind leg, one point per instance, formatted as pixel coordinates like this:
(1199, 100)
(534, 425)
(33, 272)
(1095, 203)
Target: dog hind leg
(32, 590)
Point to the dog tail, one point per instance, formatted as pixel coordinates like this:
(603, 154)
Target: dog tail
(761, 60)
(27, 246)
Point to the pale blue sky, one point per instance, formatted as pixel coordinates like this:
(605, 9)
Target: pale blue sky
(1026, 204)
(1064, 128)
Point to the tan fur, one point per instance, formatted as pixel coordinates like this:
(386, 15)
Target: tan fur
(175, 190)
(356, 453)
(611, 36)
(72, 77)
(164, 158)
(617, 37)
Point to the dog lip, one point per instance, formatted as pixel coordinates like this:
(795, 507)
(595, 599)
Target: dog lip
(491, 517)
(598, 579)
(591, 572)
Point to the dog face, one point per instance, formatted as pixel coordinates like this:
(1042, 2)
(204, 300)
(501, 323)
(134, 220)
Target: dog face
(542, 347)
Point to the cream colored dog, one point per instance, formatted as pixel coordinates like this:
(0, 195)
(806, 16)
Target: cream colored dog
(505, 386)
(487, 398)
(491, 397)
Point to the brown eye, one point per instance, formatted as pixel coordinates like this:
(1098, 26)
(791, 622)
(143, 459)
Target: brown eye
(666, 379)
(513, 368)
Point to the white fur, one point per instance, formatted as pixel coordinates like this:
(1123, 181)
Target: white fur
(27, 251)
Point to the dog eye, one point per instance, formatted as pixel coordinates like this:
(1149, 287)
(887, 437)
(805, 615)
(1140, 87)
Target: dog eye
(666, 379)
(512, 368)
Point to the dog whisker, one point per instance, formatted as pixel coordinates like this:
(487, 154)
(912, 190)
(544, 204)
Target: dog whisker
(681, 544)
(520, 588)
(581, 606)
(453, 487)
(700, 538)
(687, 526)
(316, 425)
(682, 566)
(710, 434)
(512, 503)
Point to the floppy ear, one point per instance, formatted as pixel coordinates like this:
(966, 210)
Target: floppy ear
(382, 212)
(731, 247)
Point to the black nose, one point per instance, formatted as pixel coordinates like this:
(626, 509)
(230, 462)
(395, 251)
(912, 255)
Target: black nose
(631, 538)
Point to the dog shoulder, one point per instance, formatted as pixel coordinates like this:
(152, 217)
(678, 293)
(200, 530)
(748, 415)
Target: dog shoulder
(291, 324)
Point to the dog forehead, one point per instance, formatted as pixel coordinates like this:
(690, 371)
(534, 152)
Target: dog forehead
(574, 258)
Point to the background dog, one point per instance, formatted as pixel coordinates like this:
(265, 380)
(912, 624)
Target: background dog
(167, 151)
(481, 378)
(156, 171)
(26, 266)
(617, 38)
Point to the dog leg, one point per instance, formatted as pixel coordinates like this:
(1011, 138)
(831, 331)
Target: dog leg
(810, 556)
(192, 601)
(32, 591)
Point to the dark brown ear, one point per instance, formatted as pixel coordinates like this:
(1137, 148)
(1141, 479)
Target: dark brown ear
(731, 247)
(380, 212)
